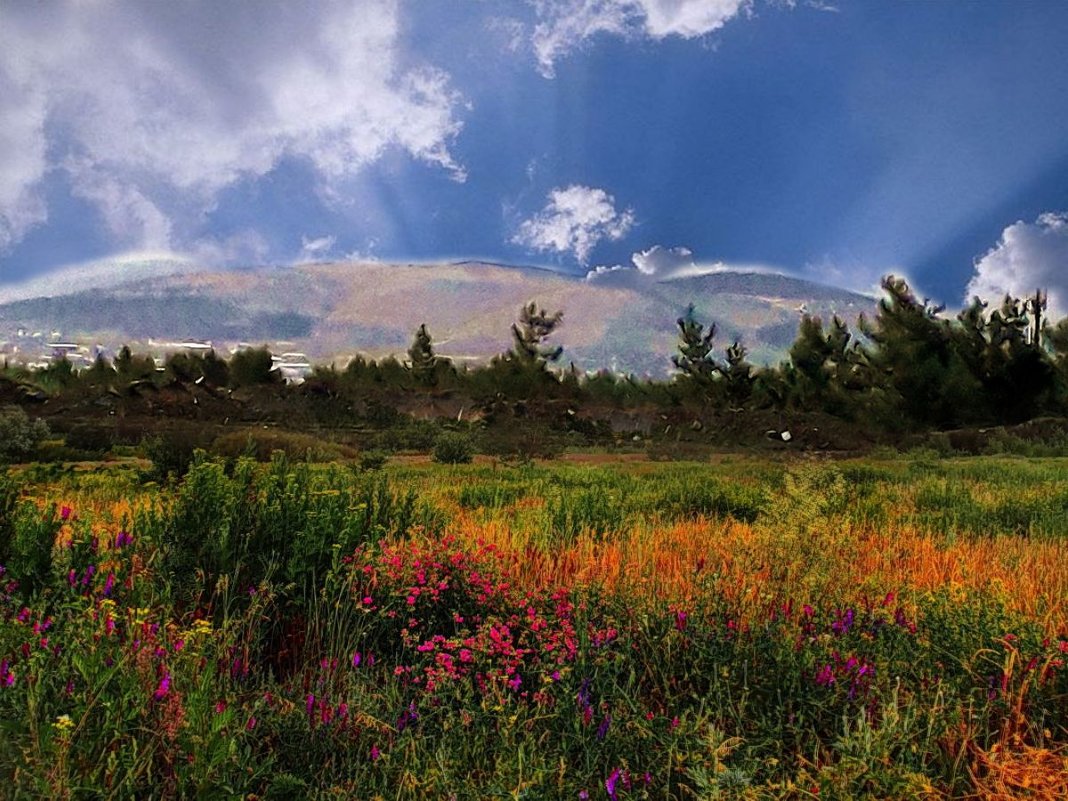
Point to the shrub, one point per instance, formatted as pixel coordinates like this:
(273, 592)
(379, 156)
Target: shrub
(170, 456)
(89, 438)
(19, 435)
(453, 448)
(260, 444)
(373, 460)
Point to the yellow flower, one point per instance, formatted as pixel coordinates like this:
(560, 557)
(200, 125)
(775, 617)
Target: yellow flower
(63, 725)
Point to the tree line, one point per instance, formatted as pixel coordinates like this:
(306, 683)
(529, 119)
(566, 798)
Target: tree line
(910, 366)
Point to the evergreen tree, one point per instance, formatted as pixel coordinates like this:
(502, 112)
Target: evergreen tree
(251, 367)
(915, 362)
(738, 376)
(216, 371)
(421, 358)
(529, 334)
(695, 358)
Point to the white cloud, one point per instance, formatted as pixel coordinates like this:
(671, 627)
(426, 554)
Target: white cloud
(154, 108)
(564, 25)
(316, 248)
(574, 221)
(664, 262)
(1028, 256)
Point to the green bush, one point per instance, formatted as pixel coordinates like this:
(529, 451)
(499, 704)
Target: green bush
(372, 460)
(261, 444)
(19, 435)
(453, 448)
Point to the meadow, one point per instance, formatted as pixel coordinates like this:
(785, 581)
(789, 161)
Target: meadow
(886, 628)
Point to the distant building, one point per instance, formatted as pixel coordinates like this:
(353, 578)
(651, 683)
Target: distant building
(293, 367)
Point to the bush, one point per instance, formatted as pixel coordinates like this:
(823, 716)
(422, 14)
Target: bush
(453, 448)
(260, 444)
(170, 456)
(89, 438)
(372, 460)
(19, 436)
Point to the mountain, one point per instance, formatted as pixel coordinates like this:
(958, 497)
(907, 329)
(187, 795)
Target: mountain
(623, 319)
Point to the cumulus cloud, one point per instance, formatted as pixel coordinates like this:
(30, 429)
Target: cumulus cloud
(664, 262)
(575, 219)
(151, 109)
(564, 25)
(1028, 256)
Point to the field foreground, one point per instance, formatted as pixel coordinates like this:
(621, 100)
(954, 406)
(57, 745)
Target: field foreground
(746, 629)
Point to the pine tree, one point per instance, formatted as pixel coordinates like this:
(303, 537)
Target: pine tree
(738, 376)
(422, 362)
(694, 358)
(528, 335)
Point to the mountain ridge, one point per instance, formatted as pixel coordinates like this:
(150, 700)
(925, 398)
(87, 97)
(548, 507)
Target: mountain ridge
(622, 320)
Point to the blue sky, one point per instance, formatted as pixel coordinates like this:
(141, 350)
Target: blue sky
(838, 141)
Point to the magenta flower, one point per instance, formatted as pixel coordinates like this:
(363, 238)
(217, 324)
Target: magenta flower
(163, 688)
(825, 677)
(64, 513)
(680, 620)
(356, 658)
(375, 753)
(610, 784)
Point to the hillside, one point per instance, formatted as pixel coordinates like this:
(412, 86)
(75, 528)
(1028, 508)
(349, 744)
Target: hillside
(623, 320)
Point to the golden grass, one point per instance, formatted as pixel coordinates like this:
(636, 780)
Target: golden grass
(754, 566)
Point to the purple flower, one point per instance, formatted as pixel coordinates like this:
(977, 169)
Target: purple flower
(583, 795)
(844, 623)
(122, 539)
(309, 703)
(584, 693)
(610, 784)
(109, 585)
(375, 753)
(356, 658)
(825, 678)
(602, 730)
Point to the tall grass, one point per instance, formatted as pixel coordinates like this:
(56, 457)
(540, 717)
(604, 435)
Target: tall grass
(738, 630)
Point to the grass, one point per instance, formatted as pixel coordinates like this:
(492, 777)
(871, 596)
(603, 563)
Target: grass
(880, 628)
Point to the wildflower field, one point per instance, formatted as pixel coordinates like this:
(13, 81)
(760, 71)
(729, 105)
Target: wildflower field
(885, 628)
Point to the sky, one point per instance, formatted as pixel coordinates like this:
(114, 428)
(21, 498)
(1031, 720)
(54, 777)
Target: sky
(837, 140)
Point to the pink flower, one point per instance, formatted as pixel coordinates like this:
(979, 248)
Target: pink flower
(251, 724)
(375, 753)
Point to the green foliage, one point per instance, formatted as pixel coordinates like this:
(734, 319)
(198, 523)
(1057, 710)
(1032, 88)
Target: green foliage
(262, 443)
(372, 460)
(19, 436)
(529, 334)
(695, 359)
(251, 367)
(426, 367)
(453, 447)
